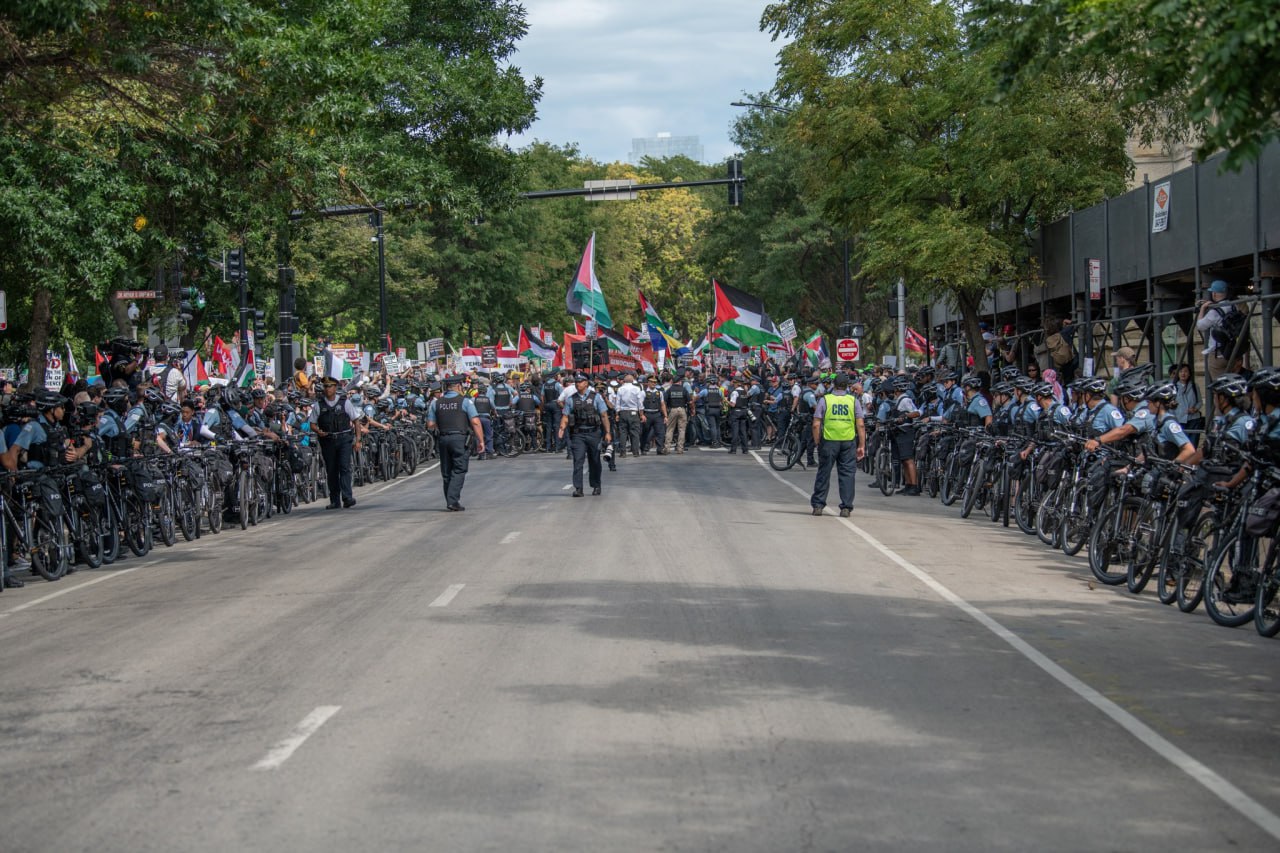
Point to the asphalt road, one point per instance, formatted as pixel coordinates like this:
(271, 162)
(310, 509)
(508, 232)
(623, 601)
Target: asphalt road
(689, 662)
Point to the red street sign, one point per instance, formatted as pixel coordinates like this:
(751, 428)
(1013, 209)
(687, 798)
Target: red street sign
(136, 294)
(847, 349)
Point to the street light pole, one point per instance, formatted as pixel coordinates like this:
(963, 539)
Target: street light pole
(382, 282)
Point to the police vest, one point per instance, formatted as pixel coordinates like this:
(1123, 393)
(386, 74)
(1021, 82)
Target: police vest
(653, 400)
(742, 400)
(583, 411)
(803, 407)
(715, 398)
(484, 406)
(502, 397)
(676, 396)
(549, 393)
(49, 452)
(333, 418)
(840, 423)
(1163, 448)
(528, 405)
(450, 417)
(119, 445)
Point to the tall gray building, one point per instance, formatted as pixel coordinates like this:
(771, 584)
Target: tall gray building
(665, 145)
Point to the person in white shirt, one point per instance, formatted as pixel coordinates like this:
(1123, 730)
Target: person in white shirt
(629, 403)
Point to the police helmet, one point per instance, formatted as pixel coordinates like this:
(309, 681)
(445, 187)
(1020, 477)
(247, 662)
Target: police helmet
(927, 393)
(1025, 384)
(1002, 388)
(1095, 385)
(231, 396)
(47, 400)
(1043, 389)
(1230, 385)
(1134, 389)
(1008, 374)
(1140, 373)
(168, 411)
(974, 381)
(257, 394)
(1165, 393)
(902, 383)
(1265, 377)
(947, 376)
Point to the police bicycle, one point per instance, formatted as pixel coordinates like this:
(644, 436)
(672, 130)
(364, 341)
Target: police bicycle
(785, 452)
(32, 523)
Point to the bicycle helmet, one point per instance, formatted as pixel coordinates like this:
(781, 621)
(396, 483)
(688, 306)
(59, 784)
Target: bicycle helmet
(973, 381)
(154, 397)
(1265, 377)
(1003, 388)
(1095, 385)
(1165, 393)
(1230, 385)
(88, 412)
(116, 398)
(1008, 374)
(231, 396)
(47, 400)
(1025, 384)
(1138, 373)
(1134, 389)
(168, 411)
(257, 394)
(928, 393)
(1043, 389)
(903, 383)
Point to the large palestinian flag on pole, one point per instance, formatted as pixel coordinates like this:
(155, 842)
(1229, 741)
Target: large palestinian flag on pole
(815, 352)
(742, 317)
(661, 336)
(584, 296)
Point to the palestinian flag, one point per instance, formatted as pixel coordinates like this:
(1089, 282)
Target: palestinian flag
(530, 347)
(245, 373)
(614, 341)
(727, 343)
(193, 371)
(336, 367)
(584, 296)
(815, 352)
(661, 336)
(742, 316)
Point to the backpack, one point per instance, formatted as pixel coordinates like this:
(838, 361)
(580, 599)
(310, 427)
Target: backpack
(1059, 350)
(1228, 331)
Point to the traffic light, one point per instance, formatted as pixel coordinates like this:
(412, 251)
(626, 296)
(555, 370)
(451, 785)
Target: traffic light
(233, 265)
(735, 188)
(259, 326)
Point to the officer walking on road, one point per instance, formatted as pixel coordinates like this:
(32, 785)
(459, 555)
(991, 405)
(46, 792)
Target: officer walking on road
(454, 416)
(837, 422)
(655, 417)
(335, 417)
(585, 417)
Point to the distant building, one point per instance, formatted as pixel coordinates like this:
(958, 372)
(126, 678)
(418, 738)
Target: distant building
(665, 145)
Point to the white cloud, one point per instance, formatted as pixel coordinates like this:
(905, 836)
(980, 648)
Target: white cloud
(613, 70)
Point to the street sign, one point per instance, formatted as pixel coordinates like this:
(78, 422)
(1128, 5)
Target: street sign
(1095, 278)
(4, 311)
(847, 349)
(137, 294)
(1160, 208)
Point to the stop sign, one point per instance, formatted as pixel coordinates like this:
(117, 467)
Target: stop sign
(847, 349)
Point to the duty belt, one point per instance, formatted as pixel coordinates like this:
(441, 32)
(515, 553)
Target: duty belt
(332, 434)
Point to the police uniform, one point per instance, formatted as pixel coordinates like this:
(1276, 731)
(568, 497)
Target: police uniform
(483, 404)
(677, 397)
(655, 419)
(739, 418)
(455, 416)
(551, 414)
(838, 413)
(586, 418)
(712, 409)
(336, 419)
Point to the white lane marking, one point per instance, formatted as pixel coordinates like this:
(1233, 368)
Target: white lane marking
(42, 599)
(448, 595)
(566, 487)
(510, 537)
(1217, 785)
(420, 471)
(280, 753)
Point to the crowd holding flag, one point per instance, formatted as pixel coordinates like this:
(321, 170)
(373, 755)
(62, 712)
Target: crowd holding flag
(742, 317)
(531, 347)
(661, 336)
(584, 297)
(815, 352)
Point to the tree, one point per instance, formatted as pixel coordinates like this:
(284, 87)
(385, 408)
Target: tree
(1203, 68)
(942, 181)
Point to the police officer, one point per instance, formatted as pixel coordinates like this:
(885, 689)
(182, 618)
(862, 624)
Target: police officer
(676, 400)
(454, 416)
(712, 408)
(550, 413)
(739, 415)
(585, 417)
(335, 420)
(655, 417)
(837, 423)
(44, 438)
(629, 402)
(482, 402)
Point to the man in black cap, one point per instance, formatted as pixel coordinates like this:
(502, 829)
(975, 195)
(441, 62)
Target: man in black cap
(586, 418)
(739, 415)
(334, 420)
(454, 416)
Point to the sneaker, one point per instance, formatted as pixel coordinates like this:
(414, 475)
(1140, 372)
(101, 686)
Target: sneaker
(577, 493)
(596, 490)
(817, 510)
(844, 513)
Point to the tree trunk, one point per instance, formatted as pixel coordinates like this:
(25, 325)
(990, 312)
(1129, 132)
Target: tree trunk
(969, 311)
(38, 346)
(120, 313)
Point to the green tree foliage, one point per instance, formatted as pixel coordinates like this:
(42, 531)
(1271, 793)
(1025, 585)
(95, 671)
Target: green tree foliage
(941, 181)
(1207, 68)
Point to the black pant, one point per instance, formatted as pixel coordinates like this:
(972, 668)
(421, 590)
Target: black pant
(843, 455)
(585, 445)
(454, 460)
(630, 429)
(655, 428)
(335, 450)
(738, 424)
(550, 426)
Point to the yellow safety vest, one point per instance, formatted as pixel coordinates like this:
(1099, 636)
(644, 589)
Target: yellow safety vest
(840, 420)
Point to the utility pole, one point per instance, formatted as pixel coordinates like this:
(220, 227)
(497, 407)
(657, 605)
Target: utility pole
(902, 324)
(382, 282)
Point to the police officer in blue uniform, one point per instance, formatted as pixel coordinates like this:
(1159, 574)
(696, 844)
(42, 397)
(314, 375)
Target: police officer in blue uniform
(586, 419)
(335, 421)
(454, 416)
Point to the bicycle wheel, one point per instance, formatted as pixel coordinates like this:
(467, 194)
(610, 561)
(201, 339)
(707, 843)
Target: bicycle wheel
(1196, 553)
(931, 480)
(109, 532)
(1142, 558)
(214, 513)
(784, 452)
(994, 508)
(1108, 556)
(188, 517)
(957, 476)
(1026, 511)
(1266, 609)
(164, 521)
(1076, 525)
(972, 487)
(89, 535)
(1229, 597)
(284, 492)
(1048, 521)
(244, 492)
(48, 544)
(1168, 559)
(138, 528)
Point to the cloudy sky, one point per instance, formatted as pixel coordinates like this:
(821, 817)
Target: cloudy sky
(617, 69)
